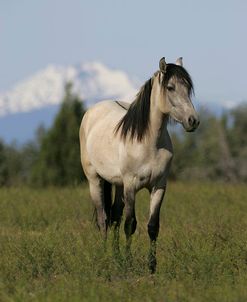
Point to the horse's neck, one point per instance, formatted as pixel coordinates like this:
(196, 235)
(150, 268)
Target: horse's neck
(158, 120)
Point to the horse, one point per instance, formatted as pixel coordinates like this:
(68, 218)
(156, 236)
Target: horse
(128, 146)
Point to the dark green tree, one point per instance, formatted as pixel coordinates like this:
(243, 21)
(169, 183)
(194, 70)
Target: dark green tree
(204, 154)
(11, 165)
(58, 162)
(238, 140)
(3, 165)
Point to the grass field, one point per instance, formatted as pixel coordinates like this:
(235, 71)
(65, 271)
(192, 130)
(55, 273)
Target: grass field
(51, 251)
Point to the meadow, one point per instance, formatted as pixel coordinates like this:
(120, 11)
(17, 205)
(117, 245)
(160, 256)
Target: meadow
(50, 249)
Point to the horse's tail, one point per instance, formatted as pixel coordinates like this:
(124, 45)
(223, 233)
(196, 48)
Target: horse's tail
(107, 203)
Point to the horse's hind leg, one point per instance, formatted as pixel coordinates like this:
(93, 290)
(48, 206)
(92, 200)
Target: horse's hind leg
(130, 217)
(96, 186)
(116, 215)
(107, 201)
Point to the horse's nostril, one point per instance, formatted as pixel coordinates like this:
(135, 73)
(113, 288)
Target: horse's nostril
(192, 121)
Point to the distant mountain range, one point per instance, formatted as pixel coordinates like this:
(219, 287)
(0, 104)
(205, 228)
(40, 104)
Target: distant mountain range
(91, 81)
(36, 100)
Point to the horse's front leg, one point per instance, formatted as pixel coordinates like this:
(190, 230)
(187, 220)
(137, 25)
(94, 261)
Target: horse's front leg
(157, 195)
(130, 217)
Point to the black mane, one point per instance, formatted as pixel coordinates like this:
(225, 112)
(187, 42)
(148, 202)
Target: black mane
(136, 120)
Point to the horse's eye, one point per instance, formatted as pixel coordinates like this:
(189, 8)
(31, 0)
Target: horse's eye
(170, 88)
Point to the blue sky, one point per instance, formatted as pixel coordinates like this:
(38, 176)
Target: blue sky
(129, 35)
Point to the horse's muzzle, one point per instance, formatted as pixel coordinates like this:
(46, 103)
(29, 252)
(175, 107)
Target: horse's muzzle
(192, 123)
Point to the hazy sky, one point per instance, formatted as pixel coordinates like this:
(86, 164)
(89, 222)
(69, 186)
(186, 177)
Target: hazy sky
(129, 35)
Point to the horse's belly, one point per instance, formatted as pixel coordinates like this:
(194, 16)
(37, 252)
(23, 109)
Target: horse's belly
(107, 168)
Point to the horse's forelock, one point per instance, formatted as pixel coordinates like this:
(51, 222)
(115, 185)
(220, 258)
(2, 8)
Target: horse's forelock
(181, 74)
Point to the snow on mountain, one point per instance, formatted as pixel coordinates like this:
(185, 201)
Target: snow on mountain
(91, 81)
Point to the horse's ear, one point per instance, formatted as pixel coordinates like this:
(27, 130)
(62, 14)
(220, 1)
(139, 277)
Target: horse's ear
(162, 65)
(179, 61)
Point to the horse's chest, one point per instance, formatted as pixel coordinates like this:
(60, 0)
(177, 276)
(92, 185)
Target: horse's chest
(160, 164)
(146, 170)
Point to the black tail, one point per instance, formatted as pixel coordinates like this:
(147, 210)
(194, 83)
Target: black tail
(108, 200)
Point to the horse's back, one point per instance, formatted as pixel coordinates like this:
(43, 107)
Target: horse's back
(104, 114)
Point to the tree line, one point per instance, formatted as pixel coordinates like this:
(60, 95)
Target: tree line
(216, 151)
(53, 157)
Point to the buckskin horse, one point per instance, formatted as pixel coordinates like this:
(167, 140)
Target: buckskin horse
(128, 146)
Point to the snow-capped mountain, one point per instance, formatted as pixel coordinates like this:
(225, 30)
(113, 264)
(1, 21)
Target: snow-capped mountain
(36, 100)
(91, 81)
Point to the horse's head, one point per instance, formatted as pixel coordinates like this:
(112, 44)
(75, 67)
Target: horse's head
(176, 88)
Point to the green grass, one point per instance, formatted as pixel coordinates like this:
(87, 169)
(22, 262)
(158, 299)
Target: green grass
(51, 251)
